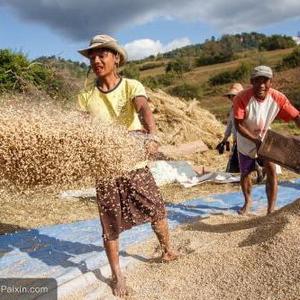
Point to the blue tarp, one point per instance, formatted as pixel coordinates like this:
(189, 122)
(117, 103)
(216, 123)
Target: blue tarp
(68, 250)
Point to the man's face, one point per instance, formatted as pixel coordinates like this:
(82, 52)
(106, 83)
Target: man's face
(103, 61)
(261, 86)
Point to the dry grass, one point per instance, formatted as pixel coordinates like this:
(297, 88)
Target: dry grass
(179, 121)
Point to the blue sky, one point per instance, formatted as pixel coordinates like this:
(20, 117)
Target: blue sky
(60, 27)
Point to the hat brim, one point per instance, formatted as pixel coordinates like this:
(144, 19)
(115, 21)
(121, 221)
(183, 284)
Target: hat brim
(262, 75)
(230, 94)
(109, 45)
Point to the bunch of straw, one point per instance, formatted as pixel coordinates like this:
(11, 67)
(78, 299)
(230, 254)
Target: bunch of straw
(179, 121)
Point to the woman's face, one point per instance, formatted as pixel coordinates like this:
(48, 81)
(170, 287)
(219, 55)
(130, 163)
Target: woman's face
(103, 62)
(230, 97)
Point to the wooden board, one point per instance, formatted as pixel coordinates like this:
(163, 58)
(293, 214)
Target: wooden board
(281, 149)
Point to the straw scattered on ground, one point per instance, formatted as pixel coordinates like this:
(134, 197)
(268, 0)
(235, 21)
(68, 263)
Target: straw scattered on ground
(226, 257)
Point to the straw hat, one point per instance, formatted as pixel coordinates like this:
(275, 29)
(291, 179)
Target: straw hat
(234, 89)
(105, 41)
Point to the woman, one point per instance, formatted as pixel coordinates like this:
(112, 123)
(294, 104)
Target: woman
(133, 199)
(233, 163)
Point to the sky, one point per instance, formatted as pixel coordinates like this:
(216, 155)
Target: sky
(143, 27)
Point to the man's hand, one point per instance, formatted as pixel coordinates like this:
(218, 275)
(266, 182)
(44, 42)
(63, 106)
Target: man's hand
(258, 143)
(151, 148)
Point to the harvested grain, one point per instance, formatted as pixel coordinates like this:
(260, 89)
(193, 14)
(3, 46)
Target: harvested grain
(43, 145)
(226, 257)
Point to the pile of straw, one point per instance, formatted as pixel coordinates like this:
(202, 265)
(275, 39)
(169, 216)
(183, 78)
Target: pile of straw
(179, 121)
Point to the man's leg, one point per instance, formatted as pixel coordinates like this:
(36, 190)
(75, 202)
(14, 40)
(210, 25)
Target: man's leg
(119, 284)
(271, 185)
(246, 185)
(162, 232)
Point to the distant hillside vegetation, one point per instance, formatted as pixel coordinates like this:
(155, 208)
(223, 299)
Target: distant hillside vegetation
(202, 71)
(54, 77)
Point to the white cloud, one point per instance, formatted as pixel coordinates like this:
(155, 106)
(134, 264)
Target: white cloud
(80, 20)
(142, 48)
(178, 43)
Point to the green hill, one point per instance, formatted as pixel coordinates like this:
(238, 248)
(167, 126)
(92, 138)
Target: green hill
(203, 71)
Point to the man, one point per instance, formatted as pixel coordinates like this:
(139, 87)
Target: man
(254, 111)
(133, 199)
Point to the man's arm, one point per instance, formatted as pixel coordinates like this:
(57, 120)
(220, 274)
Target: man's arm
(146, 117)
(246, 133)
(145, 114)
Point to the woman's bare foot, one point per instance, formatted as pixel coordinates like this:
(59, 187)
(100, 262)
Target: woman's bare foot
(119, 287)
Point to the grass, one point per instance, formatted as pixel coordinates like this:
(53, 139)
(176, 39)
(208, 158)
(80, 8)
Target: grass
(202, 74)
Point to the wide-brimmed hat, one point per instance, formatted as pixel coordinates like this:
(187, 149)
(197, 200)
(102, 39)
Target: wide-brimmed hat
(262, 71)
(234, 90)
(105, 41)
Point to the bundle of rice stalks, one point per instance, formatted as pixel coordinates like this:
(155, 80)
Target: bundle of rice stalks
(179, 121)
(43, 145)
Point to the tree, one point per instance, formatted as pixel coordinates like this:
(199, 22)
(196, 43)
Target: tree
(277, 41)
(178, 66)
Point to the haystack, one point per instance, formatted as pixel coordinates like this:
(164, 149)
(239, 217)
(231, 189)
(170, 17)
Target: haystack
(180, 121)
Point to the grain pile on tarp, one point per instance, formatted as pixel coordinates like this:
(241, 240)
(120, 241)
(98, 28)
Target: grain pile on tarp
(179, 121)
(44, 145)
(227, 257)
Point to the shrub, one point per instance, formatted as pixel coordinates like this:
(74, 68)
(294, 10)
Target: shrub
(188, 91)
(178, 66)
(17, 73)
(239, 74)
(294, 95)
(158, 81)
(290, 61)
(14, 70)
(151, 65)
(277, 41)
(131, 70)
(205, 60)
